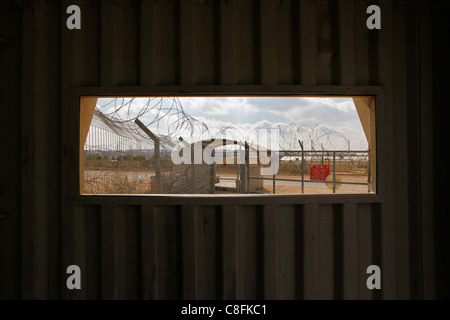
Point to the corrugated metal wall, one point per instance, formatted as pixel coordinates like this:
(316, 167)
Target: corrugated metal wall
(10, 138)
(310, 250)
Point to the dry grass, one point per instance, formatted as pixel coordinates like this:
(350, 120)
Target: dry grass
(135, 178)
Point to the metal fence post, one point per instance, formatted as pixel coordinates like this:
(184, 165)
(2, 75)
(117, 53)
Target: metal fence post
(157, 154)
(273, 187)
(212, 179)
(193, 169)
(334, 171)
(303, 167)
(246, 174)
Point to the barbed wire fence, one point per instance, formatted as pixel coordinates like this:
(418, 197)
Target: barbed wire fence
(119, 157)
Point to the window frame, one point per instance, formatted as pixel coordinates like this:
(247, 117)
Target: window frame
(71, 159)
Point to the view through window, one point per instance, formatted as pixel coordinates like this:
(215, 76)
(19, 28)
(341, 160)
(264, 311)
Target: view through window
(227, 145)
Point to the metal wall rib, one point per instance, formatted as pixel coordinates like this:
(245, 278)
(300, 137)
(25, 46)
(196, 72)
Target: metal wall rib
(226, 252)
(311, 251)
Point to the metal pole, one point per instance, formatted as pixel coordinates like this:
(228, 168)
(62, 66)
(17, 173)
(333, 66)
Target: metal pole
(322, 153)
(349, 162)
(303, 167)
(247, 169)
(334, 171)
(212, 179)
(238, 179)
(101, 147)
(108, 134)
(242, 172)
(157, 154)
(212, 174)
(273, 187)
(193, 170)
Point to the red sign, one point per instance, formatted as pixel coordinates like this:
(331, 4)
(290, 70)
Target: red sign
(319, 172)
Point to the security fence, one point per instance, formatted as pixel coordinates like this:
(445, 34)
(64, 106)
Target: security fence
(126, 157)
(320, 171)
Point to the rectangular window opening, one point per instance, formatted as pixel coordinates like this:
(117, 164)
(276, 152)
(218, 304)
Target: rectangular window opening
(227, 145)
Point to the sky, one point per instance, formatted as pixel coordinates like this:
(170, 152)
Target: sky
(330, 122)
